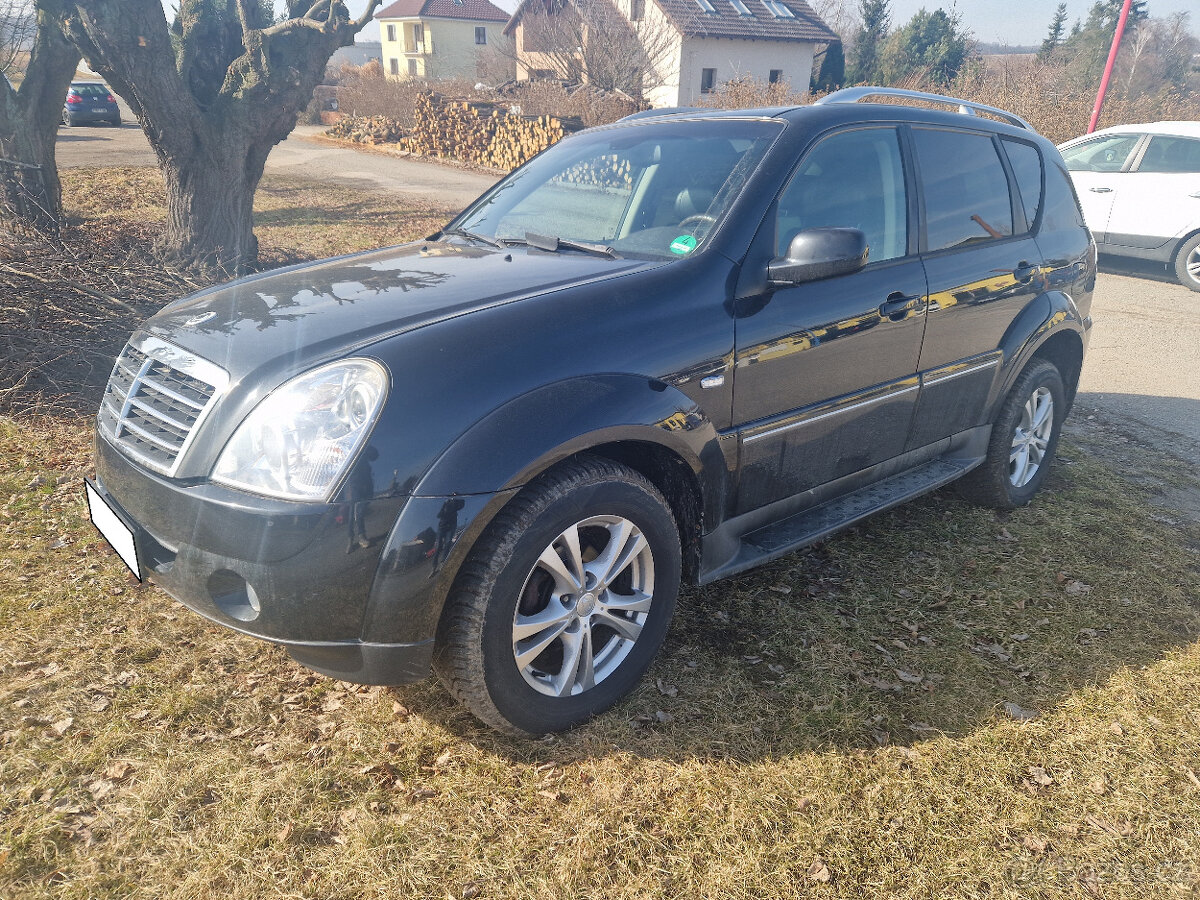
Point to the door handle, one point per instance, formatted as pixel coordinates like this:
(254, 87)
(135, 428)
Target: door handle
(898, 305)
(1100, 190)
(1024, 272)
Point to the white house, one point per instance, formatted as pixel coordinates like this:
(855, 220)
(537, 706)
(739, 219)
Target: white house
(438, 38)
(708, 42)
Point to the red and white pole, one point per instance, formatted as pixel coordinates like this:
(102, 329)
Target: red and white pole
(1112, 58)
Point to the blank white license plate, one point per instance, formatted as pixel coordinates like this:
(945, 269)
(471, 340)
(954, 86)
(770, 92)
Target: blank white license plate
(116, 532)
(100, 109)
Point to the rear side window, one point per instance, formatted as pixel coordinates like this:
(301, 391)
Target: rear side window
(850, 180)
(966, 188)
(1062, 209)
(1178, 155)
(1026, 164)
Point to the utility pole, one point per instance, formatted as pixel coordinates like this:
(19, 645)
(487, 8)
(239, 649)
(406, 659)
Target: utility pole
(1112, 58)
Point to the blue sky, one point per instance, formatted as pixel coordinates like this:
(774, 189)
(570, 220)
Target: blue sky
(1003, 21)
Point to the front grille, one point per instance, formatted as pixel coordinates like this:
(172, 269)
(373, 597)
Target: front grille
(155, 399)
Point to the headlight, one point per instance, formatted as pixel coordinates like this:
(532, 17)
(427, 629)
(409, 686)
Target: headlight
(298, 442)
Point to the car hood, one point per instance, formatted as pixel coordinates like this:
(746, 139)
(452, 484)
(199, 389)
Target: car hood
(305, 314)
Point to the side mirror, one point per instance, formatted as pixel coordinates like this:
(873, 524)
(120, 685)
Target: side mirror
(818, 253)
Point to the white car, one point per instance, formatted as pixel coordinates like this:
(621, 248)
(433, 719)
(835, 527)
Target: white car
(1139, 186)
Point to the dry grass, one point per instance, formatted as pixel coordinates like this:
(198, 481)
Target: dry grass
(943, 702)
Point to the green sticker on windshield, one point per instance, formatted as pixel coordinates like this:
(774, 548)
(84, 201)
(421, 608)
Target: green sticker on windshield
(683, 245)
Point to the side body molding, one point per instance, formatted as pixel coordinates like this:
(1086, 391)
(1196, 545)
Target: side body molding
(485, 468)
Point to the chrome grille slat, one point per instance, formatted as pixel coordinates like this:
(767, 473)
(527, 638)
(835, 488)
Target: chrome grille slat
(156, 398)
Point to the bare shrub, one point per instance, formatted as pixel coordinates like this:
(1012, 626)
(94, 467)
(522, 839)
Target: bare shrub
(747, 93)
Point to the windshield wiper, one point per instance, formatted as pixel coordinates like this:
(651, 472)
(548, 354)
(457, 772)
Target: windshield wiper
(554, 244)
(471, 235)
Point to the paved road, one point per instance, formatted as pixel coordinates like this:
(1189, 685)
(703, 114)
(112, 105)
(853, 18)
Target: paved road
(1143, 361)
(302, 154)
(1143, 364)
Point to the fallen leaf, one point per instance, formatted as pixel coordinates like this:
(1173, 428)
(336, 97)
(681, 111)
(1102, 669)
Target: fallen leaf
(1099, 786)
(1116, 728)
(909, 677)
(1040, 776)
(119, 770)
(1077, 588)
(444, 760)
(1019, 713)
(664, 717)
(62, 726)
(667, 690)
(1035, 843)
(819, 871)
(284, 833)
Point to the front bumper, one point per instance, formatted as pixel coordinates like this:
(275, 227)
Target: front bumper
(296, 574)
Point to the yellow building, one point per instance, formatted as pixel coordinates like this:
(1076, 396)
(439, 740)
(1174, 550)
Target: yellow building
(437, 39)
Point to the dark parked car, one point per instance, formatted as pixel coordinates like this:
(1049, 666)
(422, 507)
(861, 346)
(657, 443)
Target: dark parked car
(89, 102)
(664, 351)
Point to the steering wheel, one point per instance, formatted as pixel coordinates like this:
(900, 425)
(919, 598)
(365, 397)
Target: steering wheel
(697, 219)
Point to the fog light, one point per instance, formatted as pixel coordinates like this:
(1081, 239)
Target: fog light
(233, 595)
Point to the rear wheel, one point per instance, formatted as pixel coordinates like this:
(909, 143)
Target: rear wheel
(1187, 263)
(1024, 439)
(565, 600)
(66, 119)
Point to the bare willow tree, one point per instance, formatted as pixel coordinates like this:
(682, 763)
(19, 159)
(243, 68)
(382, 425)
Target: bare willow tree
(39, 64)
(214, 92)
(595, 42)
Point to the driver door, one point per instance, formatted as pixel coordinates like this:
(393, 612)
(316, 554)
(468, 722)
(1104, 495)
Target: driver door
(826, 383)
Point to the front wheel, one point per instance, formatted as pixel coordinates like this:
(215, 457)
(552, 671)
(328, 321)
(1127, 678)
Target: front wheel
(1187, 263)
(565, 600)
(1024, 439)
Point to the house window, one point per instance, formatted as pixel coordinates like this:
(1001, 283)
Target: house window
(391, 32)
(394, 66)
(776, 76)
(415, 39)
(708, 80)
(412, 68)
(708, 8)
(637, 10)
(741, 8)
(778, 10)
(480, 34)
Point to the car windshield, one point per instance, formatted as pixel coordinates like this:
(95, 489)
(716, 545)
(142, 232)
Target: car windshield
(649, 191)
(91, 91)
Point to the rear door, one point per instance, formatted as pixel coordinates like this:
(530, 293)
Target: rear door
(1160, 198)
(825, 383)
(982, 264)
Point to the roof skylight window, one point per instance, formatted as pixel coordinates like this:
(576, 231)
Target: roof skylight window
(742, 8)
(708, 8)
(778, 10)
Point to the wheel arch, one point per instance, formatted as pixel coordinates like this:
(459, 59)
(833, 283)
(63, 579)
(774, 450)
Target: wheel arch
(1052, 328)
(652, 428)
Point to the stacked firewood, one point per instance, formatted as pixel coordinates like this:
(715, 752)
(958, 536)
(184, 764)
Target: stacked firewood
(605, 172)
(367, 130)
(474, 132)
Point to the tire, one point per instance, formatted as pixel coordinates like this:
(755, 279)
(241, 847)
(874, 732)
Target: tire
(1019, 455)
(115, 122)
(66, 120)
(517, 615)
(1187, 263)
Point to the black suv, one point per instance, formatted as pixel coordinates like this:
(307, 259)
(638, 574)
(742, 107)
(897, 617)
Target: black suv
(664, 350)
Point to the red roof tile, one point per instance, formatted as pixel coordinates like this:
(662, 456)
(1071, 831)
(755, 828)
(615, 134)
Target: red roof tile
(477, 10)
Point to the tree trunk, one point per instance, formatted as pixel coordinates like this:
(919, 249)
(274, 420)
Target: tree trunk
(210, 204)
(214, 93)
(31, 195)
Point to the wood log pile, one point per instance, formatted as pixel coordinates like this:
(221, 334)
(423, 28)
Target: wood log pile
(470, 131)
(367, 130)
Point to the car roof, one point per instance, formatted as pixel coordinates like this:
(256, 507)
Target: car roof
(1180, 129)
(846, 105)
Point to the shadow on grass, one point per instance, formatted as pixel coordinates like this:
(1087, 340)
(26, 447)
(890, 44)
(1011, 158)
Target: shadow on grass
(935, 618)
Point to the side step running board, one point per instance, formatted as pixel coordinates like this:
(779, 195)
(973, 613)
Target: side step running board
(818, 523)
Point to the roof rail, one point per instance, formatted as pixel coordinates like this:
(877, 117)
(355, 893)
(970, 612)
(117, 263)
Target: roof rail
(665, 111)
(966, 107)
